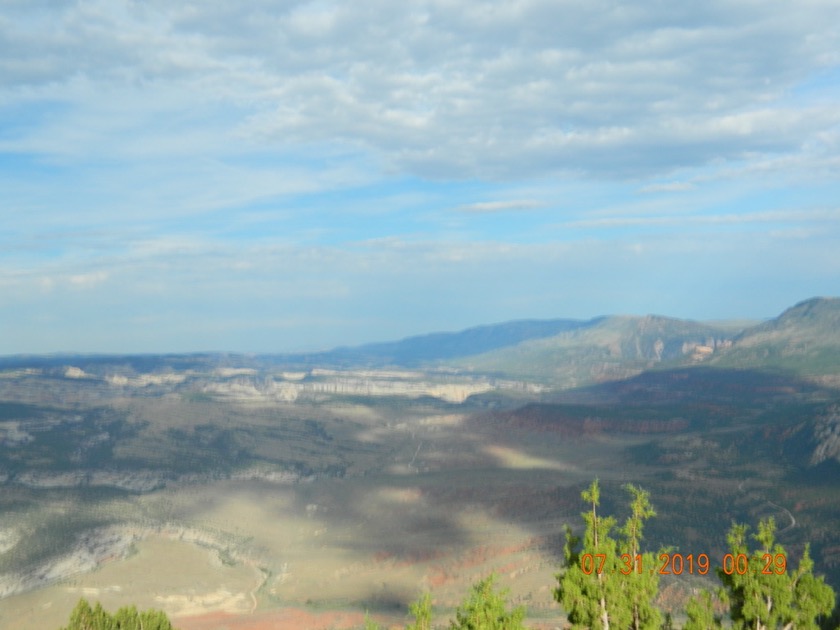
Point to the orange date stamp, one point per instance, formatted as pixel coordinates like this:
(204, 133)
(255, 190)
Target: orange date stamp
(678, 564)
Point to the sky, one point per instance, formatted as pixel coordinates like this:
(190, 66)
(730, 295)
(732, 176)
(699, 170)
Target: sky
(288, 175)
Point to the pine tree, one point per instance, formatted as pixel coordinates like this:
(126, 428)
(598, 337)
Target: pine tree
(600, 587)
(84, 617)
(370, 624)
(486, 609)
(762, 593)
(639, 586)
(701, 615)
(153, 620)
(422, 612)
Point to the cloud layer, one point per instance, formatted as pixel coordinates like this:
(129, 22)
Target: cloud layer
(382, 164)
(432, 88)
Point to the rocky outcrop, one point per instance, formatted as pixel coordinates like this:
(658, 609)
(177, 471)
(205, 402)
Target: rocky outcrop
(133, 481)
(827, 437)
(144, 380)
(320, 383)
(140, 481)
(91, 549)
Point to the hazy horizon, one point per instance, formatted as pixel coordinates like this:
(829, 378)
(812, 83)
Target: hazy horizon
(724, 323)
(282, 177)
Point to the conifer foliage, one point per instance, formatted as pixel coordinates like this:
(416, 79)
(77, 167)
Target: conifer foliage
(609, 583)
(701, 614)
(85, 617)
(485, 608)
(422, 612)
(605, 583)
(763, 593)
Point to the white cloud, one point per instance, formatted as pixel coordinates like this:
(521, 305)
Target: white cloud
(484, 207)
(87, 280)
(801, 217)
(156, 155)
(438, 89)
(667, 187)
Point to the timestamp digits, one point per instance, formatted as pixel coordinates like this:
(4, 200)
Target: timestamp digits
(677, 564)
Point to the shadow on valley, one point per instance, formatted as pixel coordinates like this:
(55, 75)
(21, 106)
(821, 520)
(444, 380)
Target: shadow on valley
(712, 446)
(347, 501)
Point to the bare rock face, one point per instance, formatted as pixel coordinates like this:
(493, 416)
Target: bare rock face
(827, 437)
(9, 537)
(815, 440)
(74, 372)
(133, 481)
(376, 383)
(89, 551)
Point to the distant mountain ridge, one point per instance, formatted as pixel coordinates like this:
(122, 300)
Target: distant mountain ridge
(819, 316)
(610, 348)
(450, 345)
(804, 339)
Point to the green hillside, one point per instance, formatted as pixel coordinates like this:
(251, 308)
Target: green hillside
(805, 339)
(611, 348)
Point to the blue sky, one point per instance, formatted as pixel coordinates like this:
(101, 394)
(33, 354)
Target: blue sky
(273, 176)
